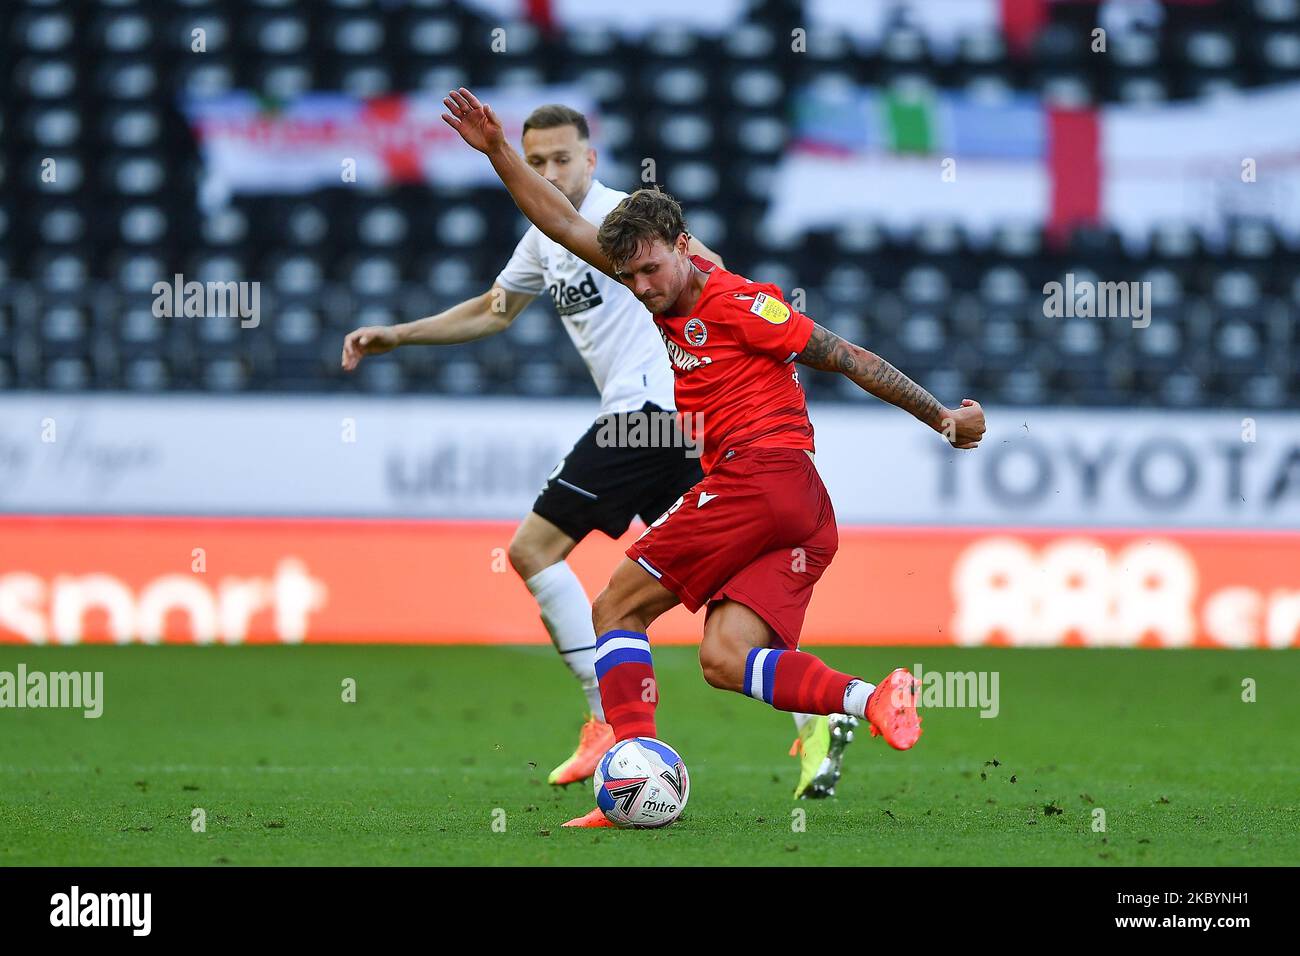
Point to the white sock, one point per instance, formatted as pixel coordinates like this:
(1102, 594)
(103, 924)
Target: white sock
(800, 720)
(566, 612)
(855, 697)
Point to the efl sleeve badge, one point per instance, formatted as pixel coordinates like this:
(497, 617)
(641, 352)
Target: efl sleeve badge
(773, 310)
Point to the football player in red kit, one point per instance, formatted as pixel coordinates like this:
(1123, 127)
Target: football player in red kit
(752, 538)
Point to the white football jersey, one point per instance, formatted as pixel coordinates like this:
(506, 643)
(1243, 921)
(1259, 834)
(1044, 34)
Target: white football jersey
(611, 330)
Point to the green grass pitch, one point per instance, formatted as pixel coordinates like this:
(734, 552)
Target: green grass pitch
(442, 738)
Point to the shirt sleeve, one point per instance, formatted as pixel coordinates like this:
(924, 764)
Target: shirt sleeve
(523, 273)
(768, 326)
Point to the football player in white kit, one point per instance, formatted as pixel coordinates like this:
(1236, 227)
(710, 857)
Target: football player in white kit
(598, 486)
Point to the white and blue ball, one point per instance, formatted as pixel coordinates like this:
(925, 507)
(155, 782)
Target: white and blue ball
(641, 782)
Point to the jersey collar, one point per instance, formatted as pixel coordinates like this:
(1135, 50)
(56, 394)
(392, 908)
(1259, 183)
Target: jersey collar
(591, 192)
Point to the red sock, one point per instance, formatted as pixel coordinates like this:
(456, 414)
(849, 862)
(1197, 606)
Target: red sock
(628, 691)
(794, 681)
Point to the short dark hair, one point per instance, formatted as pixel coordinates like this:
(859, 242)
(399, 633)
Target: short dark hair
(641, 218)
(557, 114)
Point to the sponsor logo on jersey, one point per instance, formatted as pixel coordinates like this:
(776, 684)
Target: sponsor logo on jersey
(696, 332)
(570, 299)
(773, 310)
(682, 360)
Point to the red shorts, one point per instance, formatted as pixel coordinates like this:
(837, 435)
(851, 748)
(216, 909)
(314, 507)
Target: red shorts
(759, 529)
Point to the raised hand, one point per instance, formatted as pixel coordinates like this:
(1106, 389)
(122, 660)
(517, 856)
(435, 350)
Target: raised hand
(477, 124)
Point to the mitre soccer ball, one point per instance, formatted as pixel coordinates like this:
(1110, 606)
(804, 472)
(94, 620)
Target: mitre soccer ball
(641, 782)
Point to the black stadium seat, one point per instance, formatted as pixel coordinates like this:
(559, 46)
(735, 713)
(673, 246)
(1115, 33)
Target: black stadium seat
(95, 87)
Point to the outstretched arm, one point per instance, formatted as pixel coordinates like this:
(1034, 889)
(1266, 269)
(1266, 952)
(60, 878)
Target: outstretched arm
(963, 427)
(544, 205)
(476, 318)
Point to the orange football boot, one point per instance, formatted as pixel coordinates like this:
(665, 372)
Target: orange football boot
(595, 738)
(591, 820)
(891, 709)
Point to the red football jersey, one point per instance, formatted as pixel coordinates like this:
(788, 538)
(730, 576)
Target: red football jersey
(731, 365)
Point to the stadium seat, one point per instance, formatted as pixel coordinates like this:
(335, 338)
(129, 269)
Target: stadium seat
(714, 112)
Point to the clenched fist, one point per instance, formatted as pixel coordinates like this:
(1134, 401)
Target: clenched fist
(964, 426)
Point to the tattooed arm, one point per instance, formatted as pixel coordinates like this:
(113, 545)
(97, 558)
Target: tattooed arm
(963, 427)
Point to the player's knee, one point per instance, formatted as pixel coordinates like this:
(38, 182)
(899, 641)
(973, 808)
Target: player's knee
(525, 557)
(620, 607)
(720, 667)
(606, 610)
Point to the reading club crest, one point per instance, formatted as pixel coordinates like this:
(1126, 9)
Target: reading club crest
(695, 333)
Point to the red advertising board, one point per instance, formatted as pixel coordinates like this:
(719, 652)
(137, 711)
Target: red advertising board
(180, 580)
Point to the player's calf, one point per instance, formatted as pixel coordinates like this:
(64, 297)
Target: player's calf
(799, 682)
(735, 655)
(620, 615)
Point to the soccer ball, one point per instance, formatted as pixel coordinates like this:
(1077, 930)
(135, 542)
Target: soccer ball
(641, 782)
